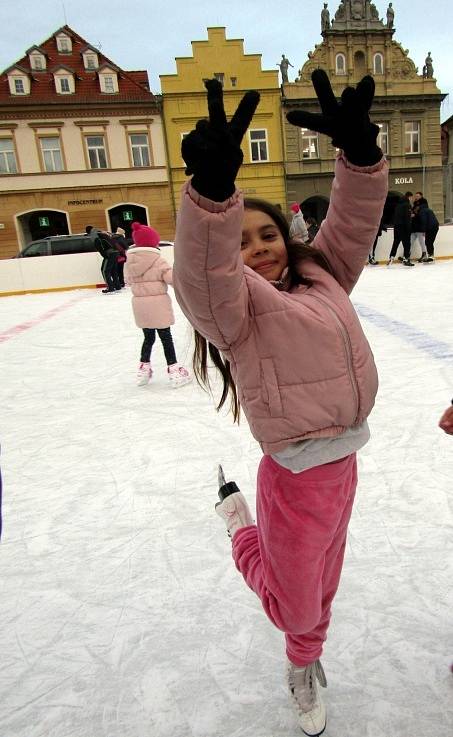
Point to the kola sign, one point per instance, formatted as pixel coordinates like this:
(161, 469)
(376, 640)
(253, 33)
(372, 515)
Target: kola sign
(404, 180)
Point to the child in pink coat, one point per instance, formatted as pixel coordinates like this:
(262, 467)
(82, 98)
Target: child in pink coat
(148, 275)
(280, 327)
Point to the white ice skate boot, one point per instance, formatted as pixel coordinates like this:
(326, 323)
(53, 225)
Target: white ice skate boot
(178, 375)
(232, 508)
(144, 374)
(303, 688)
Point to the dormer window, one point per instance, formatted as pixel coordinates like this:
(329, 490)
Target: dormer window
(64, 81)
(90, 58)
(19, 83)
(64, 43)
(378, 63)
(37, 61)
(108, 80)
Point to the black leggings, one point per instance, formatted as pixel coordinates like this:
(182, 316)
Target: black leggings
(401, 234)
(430, 237)
(167, 343)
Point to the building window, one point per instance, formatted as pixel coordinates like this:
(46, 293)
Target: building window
(378, 63)
(19, 87)
(7, 156)
(51, 154)
(64, 85)
(340, 64)
(91, 61)
(140, 149)
(108, 84)
(234, 81)
(96, 152)
(412, 137)
(258, 145)
(310, 148)
(37, 63)
(383, 137)
(220, 77)
(64, 44)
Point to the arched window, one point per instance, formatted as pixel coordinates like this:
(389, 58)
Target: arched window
(340, 64)
(378, 63)
(359, 64)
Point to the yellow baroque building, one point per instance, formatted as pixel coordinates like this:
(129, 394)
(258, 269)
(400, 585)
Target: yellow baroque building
(184, 103)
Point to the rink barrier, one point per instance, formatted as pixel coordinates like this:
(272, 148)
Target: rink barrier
(82, 270)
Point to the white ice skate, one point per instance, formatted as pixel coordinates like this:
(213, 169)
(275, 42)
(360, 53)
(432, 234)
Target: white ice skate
(232, 508)
(144, 374)
(303, 688)
(178, 375)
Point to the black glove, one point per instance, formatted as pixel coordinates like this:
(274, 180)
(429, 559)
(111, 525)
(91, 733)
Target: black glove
(346, 122)
(212, 151)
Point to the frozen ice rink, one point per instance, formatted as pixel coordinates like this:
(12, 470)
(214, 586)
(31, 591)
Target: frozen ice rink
(122, 614)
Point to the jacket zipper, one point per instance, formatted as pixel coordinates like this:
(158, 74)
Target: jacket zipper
(347, 348)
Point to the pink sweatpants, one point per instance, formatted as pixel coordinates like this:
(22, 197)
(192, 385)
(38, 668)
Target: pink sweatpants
(292, 558)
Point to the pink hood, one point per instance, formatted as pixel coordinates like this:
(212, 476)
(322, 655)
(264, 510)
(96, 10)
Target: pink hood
(301, 362)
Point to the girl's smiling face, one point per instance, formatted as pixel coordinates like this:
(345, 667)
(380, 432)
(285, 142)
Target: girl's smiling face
(263, 247)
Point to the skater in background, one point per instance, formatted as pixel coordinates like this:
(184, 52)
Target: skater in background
(298, 229)
(276, 319)
(372, 254)
(104, 244)
(119, 239)
(402, 229)
(430, 227)
(148, 275)
(312, 227)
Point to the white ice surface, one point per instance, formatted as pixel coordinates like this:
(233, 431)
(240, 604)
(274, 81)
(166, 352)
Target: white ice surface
(122, 614)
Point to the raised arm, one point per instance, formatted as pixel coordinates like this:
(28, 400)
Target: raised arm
(208, 272)
(361, 179)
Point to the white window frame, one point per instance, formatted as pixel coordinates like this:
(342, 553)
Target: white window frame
(37, 62)
(62, 42)
(52, 156)
(339, 70)
(412, 135)
(8, 156)
(139, 149)
(379, 56)
(255, 145)
(312, 139)
(19, 80)
(383, 137)
(95, 148)
(68, 83)
(108, 84)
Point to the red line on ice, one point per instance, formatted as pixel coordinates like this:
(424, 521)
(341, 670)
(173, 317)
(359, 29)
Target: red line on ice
(21, 327)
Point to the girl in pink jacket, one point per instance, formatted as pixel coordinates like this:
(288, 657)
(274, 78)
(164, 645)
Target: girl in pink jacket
(148, 275)
(292, 353)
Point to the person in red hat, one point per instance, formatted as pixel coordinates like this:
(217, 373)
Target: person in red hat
(298, 229)
(148, 275)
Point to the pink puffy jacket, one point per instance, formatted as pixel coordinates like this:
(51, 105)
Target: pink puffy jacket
(148, 275)
(300, 360)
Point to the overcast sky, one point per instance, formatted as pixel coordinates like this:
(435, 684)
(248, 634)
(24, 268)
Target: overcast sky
(149, 34)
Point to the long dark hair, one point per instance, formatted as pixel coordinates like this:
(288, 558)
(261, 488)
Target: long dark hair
(297, 253)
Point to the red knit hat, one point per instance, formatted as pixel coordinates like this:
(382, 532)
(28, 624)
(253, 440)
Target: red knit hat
(143, 235)
(295, 207)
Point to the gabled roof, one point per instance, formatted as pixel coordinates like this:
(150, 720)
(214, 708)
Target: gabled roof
(133, 86)
(36, 48)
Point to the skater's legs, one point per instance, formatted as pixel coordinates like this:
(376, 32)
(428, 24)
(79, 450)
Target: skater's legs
(150, 337)
(168, 346)
(292, 559)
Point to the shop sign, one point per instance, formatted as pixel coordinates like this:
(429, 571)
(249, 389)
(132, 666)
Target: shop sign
(404, 180)
(44, 222)
(85, 202)
(127, 215)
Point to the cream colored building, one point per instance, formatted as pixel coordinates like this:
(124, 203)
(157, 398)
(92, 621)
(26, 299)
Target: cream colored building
(406, 108)
(81, 142)
(184, 103)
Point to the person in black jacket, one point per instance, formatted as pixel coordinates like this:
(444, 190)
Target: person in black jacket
(119, 239)
(105, 245)
(429, 225)
(372, 255)
(402, 229)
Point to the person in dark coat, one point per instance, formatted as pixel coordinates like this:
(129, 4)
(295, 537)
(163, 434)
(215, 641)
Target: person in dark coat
(105, 245)
(429, 225)
(402, 229)
(119, 238)
(312, 227)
